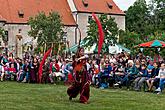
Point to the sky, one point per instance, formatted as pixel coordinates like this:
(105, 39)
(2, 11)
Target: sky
(125, 4)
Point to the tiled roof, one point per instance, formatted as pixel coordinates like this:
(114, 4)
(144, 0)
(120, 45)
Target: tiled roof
(2, 19)
(98, 6)
(10, 10)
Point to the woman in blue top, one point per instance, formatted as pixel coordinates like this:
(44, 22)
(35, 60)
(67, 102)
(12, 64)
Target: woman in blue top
(153, 81)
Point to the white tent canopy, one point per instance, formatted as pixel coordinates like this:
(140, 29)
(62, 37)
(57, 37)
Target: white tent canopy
(112, 49)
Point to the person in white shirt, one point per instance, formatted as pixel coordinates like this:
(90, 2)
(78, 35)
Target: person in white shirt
(113, 60)
(2, 72)
(162, 78)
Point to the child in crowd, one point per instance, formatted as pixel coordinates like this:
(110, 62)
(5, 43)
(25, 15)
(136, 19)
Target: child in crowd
(12, 72)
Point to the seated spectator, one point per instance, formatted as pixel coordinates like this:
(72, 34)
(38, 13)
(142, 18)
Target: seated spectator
(119, 75)
(2, 72)
(112, 59)
(153, 80)
(105, 74)
(95, 71)
(6, 74)
(54, 67)
(149, 69)
(131, 73)
(12, 72)
(162, 78)
(142, 75)
(68, 69)
(20, 74)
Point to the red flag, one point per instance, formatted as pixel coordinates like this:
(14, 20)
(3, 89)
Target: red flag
(101, 33)
(42, 63)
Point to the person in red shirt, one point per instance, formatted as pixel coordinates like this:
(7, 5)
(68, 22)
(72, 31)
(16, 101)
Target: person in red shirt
(12, 71)
(54, 67)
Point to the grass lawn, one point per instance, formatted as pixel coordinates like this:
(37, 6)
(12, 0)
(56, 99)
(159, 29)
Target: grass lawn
(19, 96)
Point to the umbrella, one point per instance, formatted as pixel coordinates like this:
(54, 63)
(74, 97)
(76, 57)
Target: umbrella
(153, 44)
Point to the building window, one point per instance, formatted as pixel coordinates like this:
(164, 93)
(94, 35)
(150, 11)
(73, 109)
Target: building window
(6, 36)
(65, 37)
(85, 3)
(21, 14)
(109, 5)
(89, 19)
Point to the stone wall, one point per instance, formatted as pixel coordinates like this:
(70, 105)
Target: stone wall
(15, 30)
(70, 35)
(14, 42)
(1, 24)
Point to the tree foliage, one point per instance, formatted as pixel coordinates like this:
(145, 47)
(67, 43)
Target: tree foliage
(130, 39)
(110, 32)
(146, 19)
(46, 28)
(157, 8)
(137, 18)
(144, 23)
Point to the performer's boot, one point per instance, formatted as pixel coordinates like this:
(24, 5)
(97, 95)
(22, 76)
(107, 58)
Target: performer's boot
(70, 98)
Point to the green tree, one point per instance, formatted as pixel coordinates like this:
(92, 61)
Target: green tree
(157, 8)
(137, 18)
(144, 23)
(110, 32)
(46, 29)
(130, 39)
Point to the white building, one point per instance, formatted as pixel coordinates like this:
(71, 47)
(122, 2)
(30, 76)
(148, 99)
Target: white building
(14, 15)
(82, 13)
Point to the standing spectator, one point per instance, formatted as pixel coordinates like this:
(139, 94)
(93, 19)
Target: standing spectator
(26, 69)
(34, 70)
(45, 74)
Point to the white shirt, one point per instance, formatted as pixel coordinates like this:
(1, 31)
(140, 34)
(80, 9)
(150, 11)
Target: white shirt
(161, 73)
(2, 69)
(113, 60)
(88, 66)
